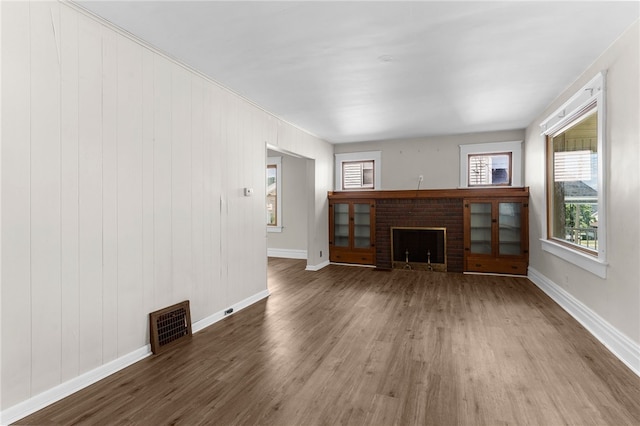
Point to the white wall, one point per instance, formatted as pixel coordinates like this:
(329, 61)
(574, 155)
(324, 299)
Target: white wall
(437, 158)
(319, 181)
(293, 237)
(616, 299)
(122, 178)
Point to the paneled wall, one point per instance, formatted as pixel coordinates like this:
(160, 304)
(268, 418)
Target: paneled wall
(122, 192)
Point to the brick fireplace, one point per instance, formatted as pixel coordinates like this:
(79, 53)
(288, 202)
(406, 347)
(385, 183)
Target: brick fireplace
(420, 213)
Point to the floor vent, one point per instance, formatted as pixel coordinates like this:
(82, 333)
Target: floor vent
(169, 326)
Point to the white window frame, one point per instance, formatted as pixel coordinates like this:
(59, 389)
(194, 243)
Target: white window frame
(513, 147)
(276, 161)
(594, 91)
(375, 156)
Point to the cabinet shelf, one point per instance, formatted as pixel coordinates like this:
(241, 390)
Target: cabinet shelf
(352, 231)
(496, 235)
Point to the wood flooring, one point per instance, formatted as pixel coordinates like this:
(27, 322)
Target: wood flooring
(356, 346)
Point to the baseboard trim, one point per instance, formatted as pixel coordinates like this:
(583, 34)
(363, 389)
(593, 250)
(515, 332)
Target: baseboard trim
(214, 318)
(40, 401)
(286, 253)
(317, 267)
(625, 349)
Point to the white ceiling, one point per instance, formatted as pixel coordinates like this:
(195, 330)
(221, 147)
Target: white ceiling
(358, 71)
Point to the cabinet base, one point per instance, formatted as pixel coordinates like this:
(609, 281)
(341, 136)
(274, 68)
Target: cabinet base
(499, 266)
(351, 257)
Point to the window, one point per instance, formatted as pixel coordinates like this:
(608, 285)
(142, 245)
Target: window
(491, 164)
(358, 171)
(274, 194)
(573, 183)
(357, 174)
(490, 169)
(575, 225)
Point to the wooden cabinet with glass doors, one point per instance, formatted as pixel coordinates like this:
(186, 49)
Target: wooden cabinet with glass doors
(352, 231)
(496, 235)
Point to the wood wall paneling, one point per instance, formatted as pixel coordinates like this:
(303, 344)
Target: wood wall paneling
(250, 216)
(148, 246)
(197, 199)
(121, 194)
(90, 193)
(215, 153)
(16, 204)
(208, 198)
(162, 171)
(45, 197)
(131, 320)
(230, 187)
(181, 182)
(109, 196)
(69, 158)
(252, 219)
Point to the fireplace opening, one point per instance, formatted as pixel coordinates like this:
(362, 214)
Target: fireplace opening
(419, 248)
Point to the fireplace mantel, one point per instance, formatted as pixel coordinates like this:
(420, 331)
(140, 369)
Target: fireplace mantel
(431, 193)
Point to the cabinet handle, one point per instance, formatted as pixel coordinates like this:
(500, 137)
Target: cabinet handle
(478, 265)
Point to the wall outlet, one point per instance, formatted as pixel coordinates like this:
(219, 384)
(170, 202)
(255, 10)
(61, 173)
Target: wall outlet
(420, 178)
(248, 192)
(228, 311)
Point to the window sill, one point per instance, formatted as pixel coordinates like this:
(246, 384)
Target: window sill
(584, 261)
(274, 228)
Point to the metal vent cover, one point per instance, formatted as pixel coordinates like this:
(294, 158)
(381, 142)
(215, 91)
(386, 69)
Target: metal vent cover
(169, 326)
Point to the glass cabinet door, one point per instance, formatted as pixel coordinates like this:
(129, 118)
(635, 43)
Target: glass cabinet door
(361, 225)
(480, 228)
(509, 228)
(341, 225)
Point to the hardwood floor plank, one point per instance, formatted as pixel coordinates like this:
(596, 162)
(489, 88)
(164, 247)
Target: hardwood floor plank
(350, 345)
